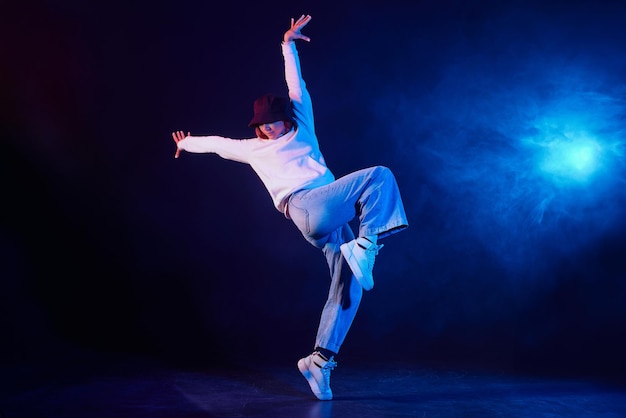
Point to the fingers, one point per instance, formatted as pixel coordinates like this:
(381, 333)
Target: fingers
(304, 38)
(297, 26)
(303, 20)
(179, 136)
(300, 23)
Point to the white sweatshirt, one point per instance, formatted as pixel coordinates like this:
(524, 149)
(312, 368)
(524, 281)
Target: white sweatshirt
(285, 165)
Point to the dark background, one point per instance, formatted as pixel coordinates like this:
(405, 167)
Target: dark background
(503, 121)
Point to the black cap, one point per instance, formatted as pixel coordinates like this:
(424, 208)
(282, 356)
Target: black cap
(270, 108)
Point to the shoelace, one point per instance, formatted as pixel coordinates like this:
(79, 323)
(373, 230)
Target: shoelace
(372, 252)
(327, 368)
(331, 364)
(375, 248)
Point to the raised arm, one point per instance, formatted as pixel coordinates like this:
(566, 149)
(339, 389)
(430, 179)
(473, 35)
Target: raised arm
(298, 93)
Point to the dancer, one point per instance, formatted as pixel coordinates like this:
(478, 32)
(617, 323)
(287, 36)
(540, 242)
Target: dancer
(286, 156)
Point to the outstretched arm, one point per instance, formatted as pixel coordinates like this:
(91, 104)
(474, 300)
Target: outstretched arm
(227, 148)
(294, 31)
(290, 35)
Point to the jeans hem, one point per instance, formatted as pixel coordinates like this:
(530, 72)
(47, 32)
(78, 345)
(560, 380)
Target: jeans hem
(386, 230)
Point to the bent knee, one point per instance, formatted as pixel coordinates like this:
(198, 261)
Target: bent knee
(384, 172)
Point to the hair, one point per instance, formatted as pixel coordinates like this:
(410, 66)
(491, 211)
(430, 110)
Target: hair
(288, 125)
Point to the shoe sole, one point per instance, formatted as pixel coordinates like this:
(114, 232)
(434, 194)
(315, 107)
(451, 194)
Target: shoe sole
(304, 369)
(348, 255)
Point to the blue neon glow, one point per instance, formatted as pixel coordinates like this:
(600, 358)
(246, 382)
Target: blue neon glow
(529, 161)
(574, 159)
(578, 141)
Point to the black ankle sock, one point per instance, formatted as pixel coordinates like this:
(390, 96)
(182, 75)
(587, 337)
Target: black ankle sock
(326, 353)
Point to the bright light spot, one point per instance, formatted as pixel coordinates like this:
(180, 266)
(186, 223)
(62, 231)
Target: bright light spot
(575, 159)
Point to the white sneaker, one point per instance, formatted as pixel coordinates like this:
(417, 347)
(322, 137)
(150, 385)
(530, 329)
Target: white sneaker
(360, 254)
(316, 369)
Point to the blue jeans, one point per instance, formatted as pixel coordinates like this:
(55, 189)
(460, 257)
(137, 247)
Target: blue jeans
(323, 214)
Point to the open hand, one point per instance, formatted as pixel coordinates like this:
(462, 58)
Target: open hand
(179, 136)
(294, 32)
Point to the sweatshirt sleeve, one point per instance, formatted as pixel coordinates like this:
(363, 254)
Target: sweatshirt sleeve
(227, 148)
(298, 93)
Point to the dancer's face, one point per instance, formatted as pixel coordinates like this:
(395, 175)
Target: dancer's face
(273, 130)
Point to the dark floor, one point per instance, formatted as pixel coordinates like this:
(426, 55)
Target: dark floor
(138, 388)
